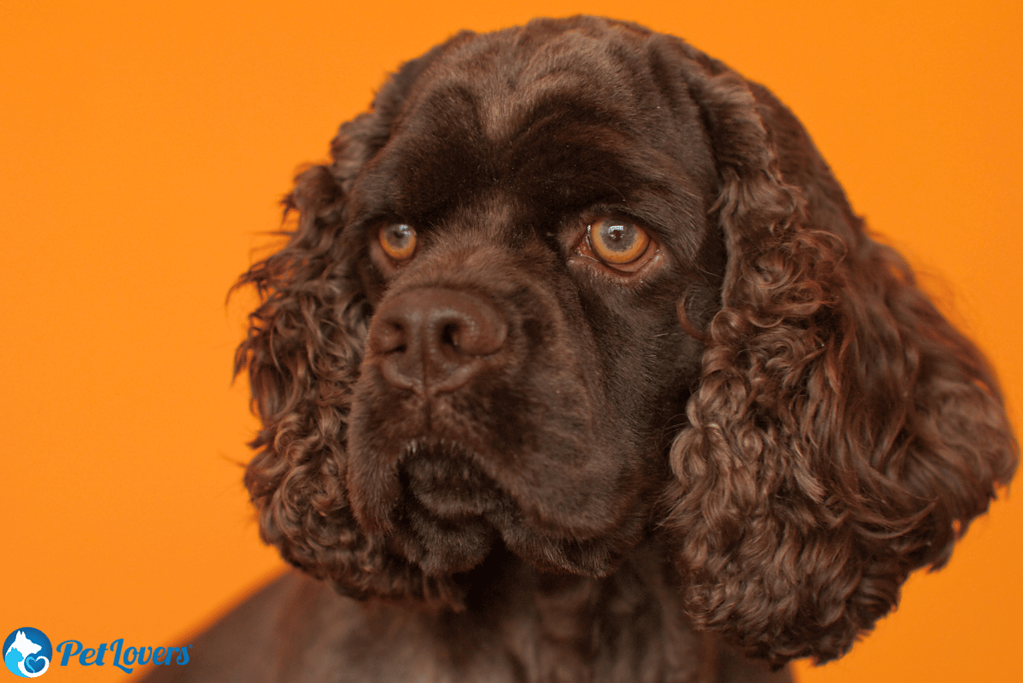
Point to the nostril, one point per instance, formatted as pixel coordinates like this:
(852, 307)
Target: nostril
(450, 335)
(390, 337)
(467, 327)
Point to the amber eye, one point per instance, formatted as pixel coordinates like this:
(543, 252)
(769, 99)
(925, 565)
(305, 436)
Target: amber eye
(617, 242)
(398, 241)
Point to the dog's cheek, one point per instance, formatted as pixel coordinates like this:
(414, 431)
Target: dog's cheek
(375, 438)
(645, 358)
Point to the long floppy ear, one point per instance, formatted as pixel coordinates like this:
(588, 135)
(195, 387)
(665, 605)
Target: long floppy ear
(302, 352)
(843, 434)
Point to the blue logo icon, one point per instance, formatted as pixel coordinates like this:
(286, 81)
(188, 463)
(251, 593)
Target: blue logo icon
(27, 652)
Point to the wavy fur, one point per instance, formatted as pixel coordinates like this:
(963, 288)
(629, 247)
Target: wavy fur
(843, 433)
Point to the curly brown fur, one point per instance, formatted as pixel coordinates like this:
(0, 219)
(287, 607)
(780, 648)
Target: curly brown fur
(843, 434)
(773, 405)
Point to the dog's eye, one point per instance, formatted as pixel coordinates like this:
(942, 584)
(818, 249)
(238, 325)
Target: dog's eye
(398, 241)
(619, 244)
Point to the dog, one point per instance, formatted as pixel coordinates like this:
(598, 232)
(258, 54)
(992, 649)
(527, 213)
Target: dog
(578, 366)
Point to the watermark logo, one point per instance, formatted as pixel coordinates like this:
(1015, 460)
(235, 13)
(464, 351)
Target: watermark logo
(27, 652)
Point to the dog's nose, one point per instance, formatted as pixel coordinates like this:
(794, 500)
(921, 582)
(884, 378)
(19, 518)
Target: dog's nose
(433, 340)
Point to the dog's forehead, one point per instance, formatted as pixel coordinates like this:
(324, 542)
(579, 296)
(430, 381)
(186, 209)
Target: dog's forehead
(551, 117)
(505, 80)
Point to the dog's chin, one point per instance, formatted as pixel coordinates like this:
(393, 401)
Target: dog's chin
(445, 546)
(444, 522)
(452, 516)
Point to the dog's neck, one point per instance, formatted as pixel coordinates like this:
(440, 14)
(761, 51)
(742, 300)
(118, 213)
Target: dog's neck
(565, 627)
(519, 624)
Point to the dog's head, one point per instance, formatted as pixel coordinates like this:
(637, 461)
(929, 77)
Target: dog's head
(574, 284)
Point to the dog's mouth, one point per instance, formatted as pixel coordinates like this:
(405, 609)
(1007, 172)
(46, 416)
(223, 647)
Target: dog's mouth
(443, 479)
(449, 513)
(445, 521)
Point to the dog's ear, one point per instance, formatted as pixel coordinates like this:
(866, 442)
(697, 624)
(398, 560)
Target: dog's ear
(302, 353)
(843, 433)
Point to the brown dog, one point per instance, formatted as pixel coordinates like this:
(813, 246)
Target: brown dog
(579, 367)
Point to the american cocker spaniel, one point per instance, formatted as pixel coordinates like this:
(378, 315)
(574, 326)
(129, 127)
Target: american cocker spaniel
(578, 366)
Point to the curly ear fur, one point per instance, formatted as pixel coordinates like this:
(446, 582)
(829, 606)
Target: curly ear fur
(302, 352)
(843, 434)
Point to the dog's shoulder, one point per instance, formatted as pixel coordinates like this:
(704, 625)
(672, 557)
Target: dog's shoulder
(281, 632)
(298, 629)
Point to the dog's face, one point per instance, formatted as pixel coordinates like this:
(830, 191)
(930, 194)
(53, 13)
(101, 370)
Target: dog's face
(575, 284)
(529, 233)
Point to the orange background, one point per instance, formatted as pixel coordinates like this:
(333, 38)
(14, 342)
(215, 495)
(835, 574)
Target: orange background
(144, 146)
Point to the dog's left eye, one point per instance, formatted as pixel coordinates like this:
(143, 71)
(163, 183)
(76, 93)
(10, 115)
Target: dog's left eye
(618, 244)
(398, 240)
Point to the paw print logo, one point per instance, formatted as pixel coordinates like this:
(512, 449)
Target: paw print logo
(27, 652)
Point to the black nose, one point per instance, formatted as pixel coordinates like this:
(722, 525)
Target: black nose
(433, 340)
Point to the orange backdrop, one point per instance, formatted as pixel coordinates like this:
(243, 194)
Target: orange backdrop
(144, 147)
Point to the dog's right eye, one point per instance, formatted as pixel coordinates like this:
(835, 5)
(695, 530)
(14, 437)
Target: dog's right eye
(399, 241)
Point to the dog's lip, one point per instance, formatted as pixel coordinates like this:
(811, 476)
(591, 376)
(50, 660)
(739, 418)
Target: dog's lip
(447, 480)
